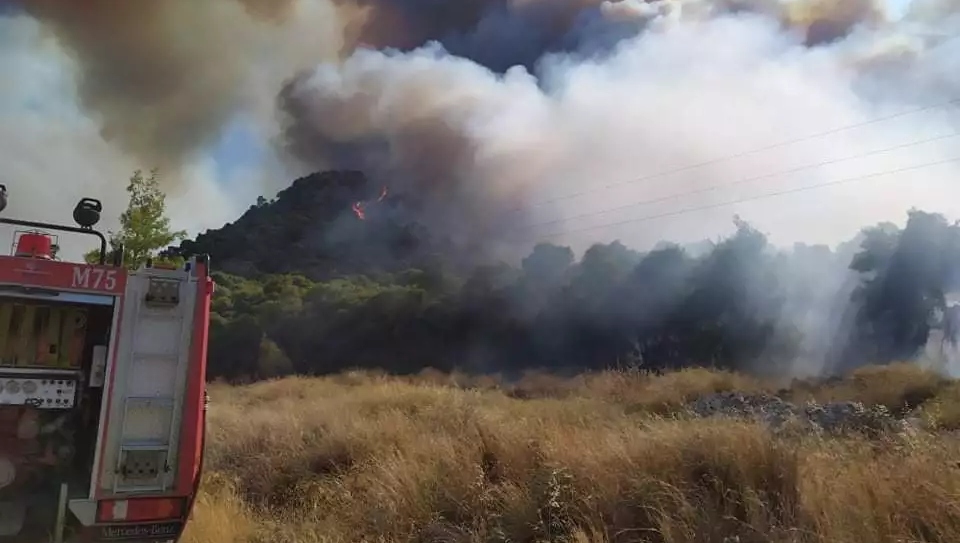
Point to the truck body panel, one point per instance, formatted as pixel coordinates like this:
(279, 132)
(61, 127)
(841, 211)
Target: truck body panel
(102, 393)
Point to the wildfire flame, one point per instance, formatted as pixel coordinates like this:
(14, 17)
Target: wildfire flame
(358, 211)
(359, 206)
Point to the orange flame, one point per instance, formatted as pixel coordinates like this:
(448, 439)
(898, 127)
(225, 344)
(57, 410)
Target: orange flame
(359, 207)
(358, 211)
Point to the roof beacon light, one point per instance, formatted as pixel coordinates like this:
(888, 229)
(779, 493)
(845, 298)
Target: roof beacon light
(35, 245)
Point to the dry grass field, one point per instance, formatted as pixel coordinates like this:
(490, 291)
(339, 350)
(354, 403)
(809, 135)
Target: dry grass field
(599, 458)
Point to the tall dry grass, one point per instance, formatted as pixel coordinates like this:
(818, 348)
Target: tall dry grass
(597, 458)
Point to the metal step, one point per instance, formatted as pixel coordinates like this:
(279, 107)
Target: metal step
(146, 465)
(144, 445)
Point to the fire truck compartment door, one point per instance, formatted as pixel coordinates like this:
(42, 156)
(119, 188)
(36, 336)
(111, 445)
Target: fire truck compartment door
(149, 377)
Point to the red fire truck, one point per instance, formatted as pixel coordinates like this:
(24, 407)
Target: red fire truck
(102, 390)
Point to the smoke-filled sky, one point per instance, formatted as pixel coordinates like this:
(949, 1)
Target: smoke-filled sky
(510, 119)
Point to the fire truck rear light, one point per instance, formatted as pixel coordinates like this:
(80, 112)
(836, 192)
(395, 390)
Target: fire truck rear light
(140, 510)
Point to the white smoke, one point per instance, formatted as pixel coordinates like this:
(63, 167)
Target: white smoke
(692, 88)
(697, 84)
(43, 135)
(685, 91)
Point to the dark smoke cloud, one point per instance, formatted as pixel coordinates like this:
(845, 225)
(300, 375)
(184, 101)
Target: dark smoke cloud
(409, 23)
(418, 152)
(95, 89)
(512, 96)
(161, 76)
(497, 34)
(503, 33)
(826, 21)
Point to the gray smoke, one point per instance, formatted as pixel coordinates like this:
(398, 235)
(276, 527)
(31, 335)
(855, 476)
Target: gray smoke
(481, 107)
(493, 127)
(97, 89)
(623, 90)
(492, 113)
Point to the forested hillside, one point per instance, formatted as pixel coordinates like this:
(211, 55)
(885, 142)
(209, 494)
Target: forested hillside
(305, 286)
(309, 229)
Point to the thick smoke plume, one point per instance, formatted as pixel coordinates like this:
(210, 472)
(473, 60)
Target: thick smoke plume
(162, 77)
(485, 105)
(145, 69)
(94, 89)
(504, 122)
(516, 102)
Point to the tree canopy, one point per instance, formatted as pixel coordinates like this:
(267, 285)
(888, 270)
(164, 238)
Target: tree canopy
(301, 289)
(144, 226)
(743, 305)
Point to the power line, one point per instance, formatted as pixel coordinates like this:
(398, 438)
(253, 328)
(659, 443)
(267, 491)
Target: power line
(712, 188)
(742, 154)
(741, 200)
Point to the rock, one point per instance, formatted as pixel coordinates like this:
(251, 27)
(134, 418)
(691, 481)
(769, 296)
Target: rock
(831, 418)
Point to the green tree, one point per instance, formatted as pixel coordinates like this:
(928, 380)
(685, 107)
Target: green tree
(272, 361)
(144, 226)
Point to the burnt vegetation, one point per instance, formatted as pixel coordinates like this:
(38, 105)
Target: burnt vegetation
(305, 287)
